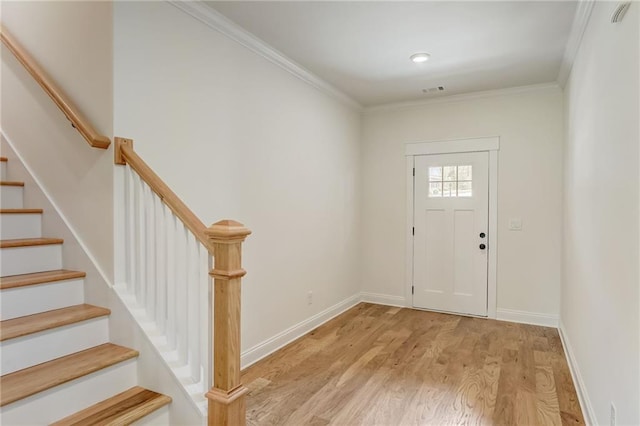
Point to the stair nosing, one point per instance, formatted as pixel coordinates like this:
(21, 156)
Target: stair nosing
(30, 242)
(3, 159)
(21, 211)
(36, 278)
(11, 183)
(99, 413)
(71, 315)
(56, 368)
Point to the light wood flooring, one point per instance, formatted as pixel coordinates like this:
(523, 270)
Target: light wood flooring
(377, 365)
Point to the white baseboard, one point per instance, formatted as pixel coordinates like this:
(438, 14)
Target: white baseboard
(581, 390)
(524, 317)
(383, 299)
(261, 350)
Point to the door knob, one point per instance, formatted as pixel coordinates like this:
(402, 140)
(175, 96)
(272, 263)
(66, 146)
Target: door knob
(482, 246)
(482, 235)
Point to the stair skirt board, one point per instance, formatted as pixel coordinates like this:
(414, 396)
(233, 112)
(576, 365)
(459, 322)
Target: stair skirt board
(21, 301)
(61, 401)
(20, 225)
(12, 197)
(24, 260)
(32, 349)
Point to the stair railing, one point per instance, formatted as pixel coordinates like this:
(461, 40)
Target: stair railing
(168, 253)
(73, 114)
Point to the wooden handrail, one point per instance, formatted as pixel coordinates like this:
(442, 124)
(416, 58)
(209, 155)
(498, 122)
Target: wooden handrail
(124, 154)
(72, 113)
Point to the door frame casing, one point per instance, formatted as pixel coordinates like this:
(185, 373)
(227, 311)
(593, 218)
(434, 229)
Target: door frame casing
(456, 146)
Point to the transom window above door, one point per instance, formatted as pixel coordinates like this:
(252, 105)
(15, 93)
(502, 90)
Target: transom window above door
(450, 181)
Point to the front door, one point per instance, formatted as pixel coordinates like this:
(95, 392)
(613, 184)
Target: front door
(451, 211)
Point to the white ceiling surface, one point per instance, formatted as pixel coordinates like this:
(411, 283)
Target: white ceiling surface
(363, 47)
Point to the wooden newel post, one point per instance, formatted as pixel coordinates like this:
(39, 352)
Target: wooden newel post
(226, 398)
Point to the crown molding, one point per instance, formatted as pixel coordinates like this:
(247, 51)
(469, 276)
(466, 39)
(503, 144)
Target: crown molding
(231, 30)
(551, 87)
(579, 26)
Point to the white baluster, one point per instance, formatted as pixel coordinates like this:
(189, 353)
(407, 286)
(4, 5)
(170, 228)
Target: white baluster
(142, 244)
(129, 219)
(204, 283)
(171, 279)
(181, 292)
(150, 263)
(161, 276)
(139, 254)
(193, 296)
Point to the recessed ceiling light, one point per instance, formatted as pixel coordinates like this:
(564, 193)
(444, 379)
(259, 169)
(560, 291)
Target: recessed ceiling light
(418, 58)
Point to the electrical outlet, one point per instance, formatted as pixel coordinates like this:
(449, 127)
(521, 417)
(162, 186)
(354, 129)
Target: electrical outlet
(612, 420)
(310, 298)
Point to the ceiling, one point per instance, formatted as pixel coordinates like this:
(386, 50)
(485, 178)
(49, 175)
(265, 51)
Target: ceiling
(363, 47)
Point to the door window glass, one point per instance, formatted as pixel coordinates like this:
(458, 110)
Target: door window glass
(451, 181)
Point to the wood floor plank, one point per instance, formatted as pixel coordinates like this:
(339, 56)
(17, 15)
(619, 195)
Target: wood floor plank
(329, 362)
(376, 365)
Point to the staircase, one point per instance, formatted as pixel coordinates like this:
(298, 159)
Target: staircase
(57, 364)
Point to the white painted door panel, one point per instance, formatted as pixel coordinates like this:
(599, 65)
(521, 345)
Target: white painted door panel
(451, 209)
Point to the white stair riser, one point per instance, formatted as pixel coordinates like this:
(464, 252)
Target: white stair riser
(27, 351)
(32, 299)
(11, 197)
(157, 418)
(24, 260)
(3, 170)
(63, 400)
(13, 226)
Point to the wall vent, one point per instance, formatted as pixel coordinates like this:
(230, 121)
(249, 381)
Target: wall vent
(618, 14)
(433, 89)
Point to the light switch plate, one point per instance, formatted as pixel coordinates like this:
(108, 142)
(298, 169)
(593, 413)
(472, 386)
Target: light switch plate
(515, 224)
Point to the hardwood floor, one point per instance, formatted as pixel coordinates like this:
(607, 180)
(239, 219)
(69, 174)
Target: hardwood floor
(378, 365)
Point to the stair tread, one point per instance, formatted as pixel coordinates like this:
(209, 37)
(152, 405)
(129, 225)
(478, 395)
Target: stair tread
(27, 242)
(22, 326)
(3, 158)
(39, 278)
(11, 183)
(27, 382)
(124, 408)
(21, 211)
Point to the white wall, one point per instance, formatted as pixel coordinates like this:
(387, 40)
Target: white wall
(600, 297)
(238, 137)
(529, 124)
(72, 41)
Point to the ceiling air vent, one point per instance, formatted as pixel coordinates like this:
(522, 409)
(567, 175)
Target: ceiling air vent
(618, 14)
(433, 89)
